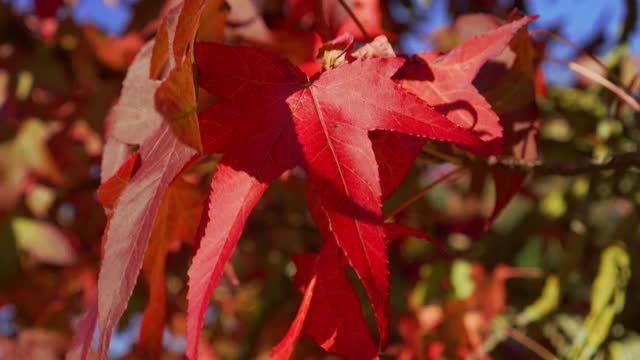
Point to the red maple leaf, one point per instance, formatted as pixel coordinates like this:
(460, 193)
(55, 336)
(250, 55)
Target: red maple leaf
(445, 82)
(330, 313)
(508, 84)
(272, 119)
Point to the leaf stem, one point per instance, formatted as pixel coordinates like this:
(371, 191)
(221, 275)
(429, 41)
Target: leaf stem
(421, 193)
(356, 20)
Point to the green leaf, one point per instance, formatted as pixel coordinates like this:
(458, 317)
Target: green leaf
(43, 241)
(461, 280)
(546, 303)
(607, 300)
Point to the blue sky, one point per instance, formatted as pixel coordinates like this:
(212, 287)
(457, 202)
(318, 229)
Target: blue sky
(577, 20)
(111, 18)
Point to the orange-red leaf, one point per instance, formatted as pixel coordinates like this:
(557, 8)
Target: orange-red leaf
(160, 53)
(177, 221)
(189, 21)
(109, 191)
(176, 97)
(162, 157)
(176, 101)
(212, 21)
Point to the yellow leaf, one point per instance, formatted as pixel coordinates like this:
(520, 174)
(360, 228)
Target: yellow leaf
(176, 101)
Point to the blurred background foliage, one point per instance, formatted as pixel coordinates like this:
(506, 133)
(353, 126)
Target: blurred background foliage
(555, 276)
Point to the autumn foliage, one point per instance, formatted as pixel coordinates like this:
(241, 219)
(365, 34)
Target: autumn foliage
(312, 98)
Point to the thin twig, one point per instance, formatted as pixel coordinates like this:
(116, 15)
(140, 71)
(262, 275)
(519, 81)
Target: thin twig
(620, 92)
(575, 167)
(630, 21)
(584, 71)
(575, 47)
(440, 155)
(619, 161)
(421, 193)
(530, 344)
(355, 19)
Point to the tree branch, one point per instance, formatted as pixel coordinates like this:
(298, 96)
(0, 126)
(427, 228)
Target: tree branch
(619, 161)
(415, 197)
